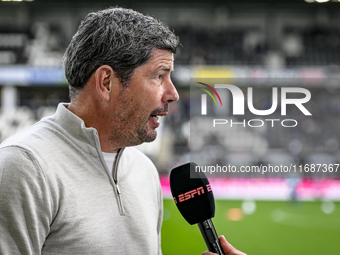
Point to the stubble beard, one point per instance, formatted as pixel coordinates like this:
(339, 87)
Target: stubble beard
(127, 132)
(147, 137)
(133, 137)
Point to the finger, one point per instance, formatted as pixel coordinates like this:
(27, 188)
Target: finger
(228, 248)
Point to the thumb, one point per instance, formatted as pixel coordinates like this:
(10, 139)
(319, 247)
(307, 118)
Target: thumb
(228, 248)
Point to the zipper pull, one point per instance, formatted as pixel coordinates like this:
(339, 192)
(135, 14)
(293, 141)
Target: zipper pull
(118, 190)
(119, 198)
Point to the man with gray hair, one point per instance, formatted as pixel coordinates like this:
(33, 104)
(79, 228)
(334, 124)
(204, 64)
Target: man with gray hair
(72, 183)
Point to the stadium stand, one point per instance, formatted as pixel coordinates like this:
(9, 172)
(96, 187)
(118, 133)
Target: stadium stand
(251, 39)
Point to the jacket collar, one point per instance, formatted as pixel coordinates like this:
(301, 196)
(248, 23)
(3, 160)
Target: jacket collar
(75, 127)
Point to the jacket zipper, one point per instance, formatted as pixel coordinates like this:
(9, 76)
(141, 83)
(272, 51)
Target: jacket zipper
(115, 179)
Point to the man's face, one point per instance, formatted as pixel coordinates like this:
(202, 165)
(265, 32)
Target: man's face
(144, 100)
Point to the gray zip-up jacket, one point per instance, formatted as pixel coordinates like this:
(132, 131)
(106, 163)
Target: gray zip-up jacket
(58, 197)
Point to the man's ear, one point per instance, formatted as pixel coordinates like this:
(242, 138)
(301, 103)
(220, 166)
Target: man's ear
(105, 82)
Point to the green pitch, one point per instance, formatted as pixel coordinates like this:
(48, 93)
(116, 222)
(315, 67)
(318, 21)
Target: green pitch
(275, 228)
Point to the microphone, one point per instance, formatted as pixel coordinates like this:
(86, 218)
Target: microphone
(195, 201)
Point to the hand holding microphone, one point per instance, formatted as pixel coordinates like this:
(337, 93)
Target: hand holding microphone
(227, 248)
(194, 199)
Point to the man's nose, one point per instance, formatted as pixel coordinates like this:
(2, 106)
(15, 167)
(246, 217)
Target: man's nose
(170, 94)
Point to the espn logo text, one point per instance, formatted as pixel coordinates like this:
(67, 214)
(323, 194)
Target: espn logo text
(191, 194)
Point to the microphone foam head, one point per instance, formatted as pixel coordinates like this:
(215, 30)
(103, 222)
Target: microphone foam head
(192, 193)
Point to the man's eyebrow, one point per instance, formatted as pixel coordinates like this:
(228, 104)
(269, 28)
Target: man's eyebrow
(162, 68)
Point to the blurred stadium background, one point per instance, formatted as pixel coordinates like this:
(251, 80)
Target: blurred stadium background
(293, 42)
